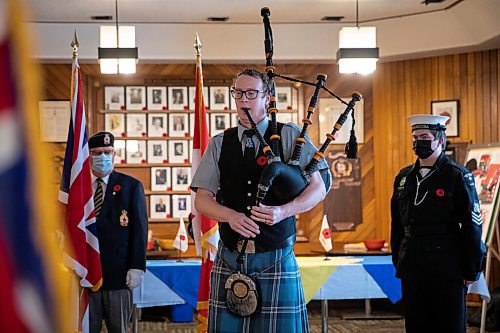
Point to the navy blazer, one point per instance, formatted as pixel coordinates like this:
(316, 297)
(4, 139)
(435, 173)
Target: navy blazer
(122, 229)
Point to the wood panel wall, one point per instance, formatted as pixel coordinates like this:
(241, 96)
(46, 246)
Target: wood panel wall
(399, 90)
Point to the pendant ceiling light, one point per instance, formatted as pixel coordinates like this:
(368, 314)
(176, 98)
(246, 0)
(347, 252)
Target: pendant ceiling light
(358, 51)
(117, 52)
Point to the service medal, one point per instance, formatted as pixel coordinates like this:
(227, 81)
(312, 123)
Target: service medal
(124, 218)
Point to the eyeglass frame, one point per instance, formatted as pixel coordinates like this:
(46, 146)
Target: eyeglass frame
(244, 92)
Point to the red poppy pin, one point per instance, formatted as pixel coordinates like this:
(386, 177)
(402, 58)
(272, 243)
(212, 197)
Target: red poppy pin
(116, 188)
(262, 160)
(440, 192)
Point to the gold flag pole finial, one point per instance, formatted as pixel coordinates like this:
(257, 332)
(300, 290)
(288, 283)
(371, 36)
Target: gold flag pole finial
(197, 44)
(75, 45)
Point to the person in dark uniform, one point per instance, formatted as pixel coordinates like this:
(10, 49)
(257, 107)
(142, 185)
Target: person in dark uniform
(122, 228)
(436, 233)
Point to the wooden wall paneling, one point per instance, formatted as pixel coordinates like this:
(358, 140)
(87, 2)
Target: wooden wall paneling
(486, 96)
(479, 97)
(494, 123)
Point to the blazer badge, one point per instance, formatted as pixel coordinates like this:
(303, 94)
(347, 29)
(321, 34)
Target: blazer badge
(124, 218)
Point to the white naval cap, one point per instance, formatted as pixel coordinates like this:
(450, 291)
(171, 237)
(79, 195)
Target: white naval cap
(428, 121)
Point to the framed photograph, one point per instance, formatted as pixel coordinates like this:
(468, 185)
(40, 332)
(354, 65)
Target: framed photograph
(114, 98)
(219, 98)
(157, 151)
(159, 206)
(181, 206)
(136, 98)
(191, 124)
(178, 125)
(234, 119)
(157, 125)
(54, 120)
(160, 179)
(484, 163)
(120, 152)
(219, 122)
(192, 95)
(329, 111)
(157, 98)
(177, 98)
(115, 124)
(190, 145)
(136, 151)
(178, 151)
(450, 109)
(284, 98)
(136, 125)
(181, 178)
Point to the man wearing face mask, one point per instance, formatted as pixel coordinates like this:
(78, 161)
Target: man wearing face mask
(122, 227)
(436, 232)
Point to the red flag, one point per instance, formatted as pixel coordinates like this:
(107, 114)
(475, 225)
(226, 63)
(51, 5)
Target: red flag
(206, 231)
(77, 196)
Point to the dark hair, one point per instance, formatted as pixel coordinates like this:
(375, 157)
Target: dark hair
(440, 135)
(253, 72)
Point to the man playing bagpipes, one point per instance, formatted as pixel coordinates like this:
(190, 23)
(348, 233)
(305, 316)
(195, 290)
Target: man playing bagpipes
(255, 281)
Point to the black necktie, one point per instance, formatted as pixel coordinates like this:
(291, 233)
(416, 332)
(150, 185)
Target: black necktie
(98, 198)
(249, 152)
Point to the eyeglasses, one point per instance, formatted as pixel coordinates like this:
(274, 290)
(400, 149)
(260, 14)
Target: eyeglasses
(250, 93)
(97, 153)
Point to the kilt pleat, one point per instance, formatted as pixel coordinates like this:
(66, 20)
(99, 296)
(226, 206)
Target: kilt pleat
(282, 306)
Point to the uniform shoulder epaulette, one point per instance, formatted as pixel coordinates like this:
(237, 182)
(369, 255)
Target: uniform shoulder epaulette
(405, 170)
(462, 169)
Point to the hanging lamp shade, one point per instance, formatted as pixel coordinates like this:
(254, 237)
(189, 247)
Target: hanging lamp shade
(117, 56)
(358, 51)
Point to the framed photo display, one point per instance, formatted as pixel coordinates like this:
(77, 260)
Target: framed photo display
(157, 98)
(120, 152)
(114, 98)
(181, 206)
(136, 98)
(192, 95)
(181, 178)
(178, 151)
(284, 98)
(136, 124)
(177, 98)
(219, 98)
(329, 111)
(160, 179)
(136, 151)
(159, 206)
(157, 151)
(450, 109)
(178, 125)
(157, 124)
(115, 123)
(219, 122)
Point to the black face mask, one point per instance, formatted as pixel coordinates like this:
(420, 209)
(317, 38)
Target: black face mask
(422, 148)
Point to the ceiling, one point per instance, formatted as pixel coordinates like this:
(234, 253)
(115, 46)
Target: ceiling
(238, 11)
(165, 29)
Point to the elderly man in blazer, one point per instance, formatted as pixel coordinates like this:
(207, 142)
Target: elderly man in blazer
(122, 227)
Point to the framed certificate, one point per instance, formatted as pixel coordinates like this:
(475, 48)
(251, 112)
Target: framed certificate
(54, 120)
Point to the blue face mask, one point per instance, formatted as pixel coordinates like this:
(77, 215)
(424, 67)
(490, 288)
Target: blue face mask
(102, 163)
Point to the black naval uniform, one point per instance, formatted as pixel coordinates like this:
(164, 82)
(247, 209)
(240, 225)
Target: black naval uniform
(436, 244)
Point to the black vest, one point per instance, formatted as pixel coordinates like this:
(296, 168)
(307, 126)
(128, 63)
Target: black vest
(238, 188)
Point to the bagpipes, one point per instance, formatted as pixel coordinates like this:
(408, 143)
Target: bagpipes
(287, 181)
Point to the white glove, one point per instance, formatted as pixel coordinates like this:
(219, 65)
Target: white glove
(134, 278)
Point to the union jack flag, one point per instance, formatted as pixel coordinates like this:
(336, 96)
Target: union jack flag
(82, 245)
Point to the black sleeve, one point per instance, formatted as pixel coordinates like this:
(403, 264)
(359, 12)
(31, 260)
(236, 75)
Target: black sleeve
(139, 229)
(396, 226)
(469, 215)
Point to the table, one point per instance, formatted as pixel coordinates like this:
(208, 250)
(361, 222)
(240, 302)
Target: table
(170, 282)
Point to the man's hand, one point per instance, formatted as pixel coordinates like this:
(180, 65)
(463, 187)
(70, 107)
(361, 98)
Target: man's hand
(243, 225)
(269, 215)
(134, 278)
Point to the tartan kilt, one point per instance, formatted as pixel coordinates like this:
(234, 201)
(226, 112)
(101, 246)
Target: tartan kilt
(282, 307)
